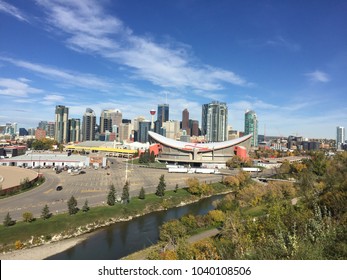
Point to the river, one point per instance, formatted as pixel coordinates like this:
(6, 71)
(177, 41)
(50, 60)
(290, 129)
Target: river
(124, 238)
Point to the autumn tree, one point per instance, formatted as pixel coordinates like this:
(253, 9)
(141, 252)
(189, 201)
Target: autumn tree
(28, 217)
(172, 231)
(234, 162)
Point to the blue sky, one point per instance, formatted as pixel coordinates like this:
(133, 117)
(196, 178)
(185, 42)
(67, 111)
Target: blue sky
(286, 60)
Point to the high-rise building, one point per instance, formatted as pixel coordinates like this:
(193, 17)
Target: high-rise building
(74, 130)
(204, 119)
(172, 129)
(125, 131)
(185, 121)
(251, 126)
(43, 125)
(194, 127)
(61, 124)
(162, 116)
(10, 128)
(117, 117)
(144, 127)
(50, 129)
(340, 137)
(136, 122)
(88, 125)
(215, 121)
(109, 118)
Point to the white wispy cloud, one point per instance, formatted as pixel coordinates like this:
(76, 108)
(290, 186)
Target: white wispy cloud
(318, 76)
(282, 42)
(64, 76)
(12, 10)
(16, 88)
(90, 29)
(52, 99)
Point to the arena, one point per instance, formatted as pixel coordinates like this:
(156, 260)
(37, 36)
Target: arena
(200, 154)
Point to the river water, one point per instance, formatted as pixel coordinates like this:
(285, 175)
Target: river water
(123, 238)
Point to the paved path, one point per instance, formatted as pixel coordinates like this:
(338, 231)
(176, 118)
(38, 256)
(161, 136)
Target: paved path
(203, 235)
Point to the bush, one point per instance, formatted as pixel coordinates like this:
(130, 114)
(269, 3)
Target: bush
(28, 217)
(142, 193)
(18, 245)
(85, 207)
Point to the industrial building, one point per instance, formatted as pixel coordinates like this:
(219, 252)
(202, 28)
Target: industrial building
(50, 160)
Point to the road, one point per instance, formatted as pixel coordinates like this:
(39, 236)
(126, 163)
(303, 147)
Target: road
(92, 186)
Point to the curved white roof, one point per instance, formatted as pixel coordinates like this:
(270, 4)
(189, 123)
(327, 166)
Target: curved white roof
(202, 147)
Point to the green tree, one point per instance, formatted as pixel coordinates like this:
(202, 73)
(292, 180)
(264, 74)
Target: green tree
(111, 197)
(8, 220)
(161, 186)
(72, 205)
(45, 213)
(125, 193)
(28, 217)
(152, 157)
(85, 207)
(142, 193)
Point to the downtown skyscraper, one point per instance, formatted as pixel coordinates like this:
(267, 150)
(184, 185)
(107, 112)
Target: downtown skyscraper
(61, 124)
(162, 116)
(88, 125)
(214, 121)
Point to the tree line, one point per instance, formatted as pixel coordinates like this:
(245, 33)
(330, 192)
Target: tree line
(287, 221)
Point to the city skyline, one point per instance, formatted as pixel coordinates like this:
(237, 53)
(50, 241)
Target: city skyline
(286, 61)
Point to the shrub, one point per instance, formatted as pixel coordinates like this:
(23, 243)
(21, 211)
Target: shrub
(28, 217)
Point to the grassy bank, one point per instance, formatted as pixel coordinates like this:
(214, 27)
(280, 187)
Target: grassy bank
(65, 225)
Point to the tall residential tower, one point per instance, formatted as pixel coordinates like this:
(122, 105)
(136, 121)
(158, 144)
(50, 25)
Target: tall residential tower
(61, 124)
(251, 126)
(340, 136)
(215, 121)
(88, 125)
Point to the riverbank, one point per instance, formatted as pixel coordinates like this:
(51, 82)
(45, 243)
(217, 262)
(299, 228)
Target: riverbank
(62, 242)
(143, 254)
(42, 252)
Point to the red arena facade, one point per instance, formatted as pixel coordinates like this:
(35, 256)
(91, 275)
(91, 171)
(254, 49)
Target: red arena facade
(199, 154)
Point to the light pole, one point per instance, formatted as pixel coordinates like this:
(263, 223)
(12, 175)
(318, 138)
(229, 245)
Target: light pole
(126, 171)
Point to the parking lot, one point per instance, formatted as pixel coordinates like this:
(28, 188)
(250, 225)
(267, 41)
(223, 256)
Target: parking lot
(93, 186)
